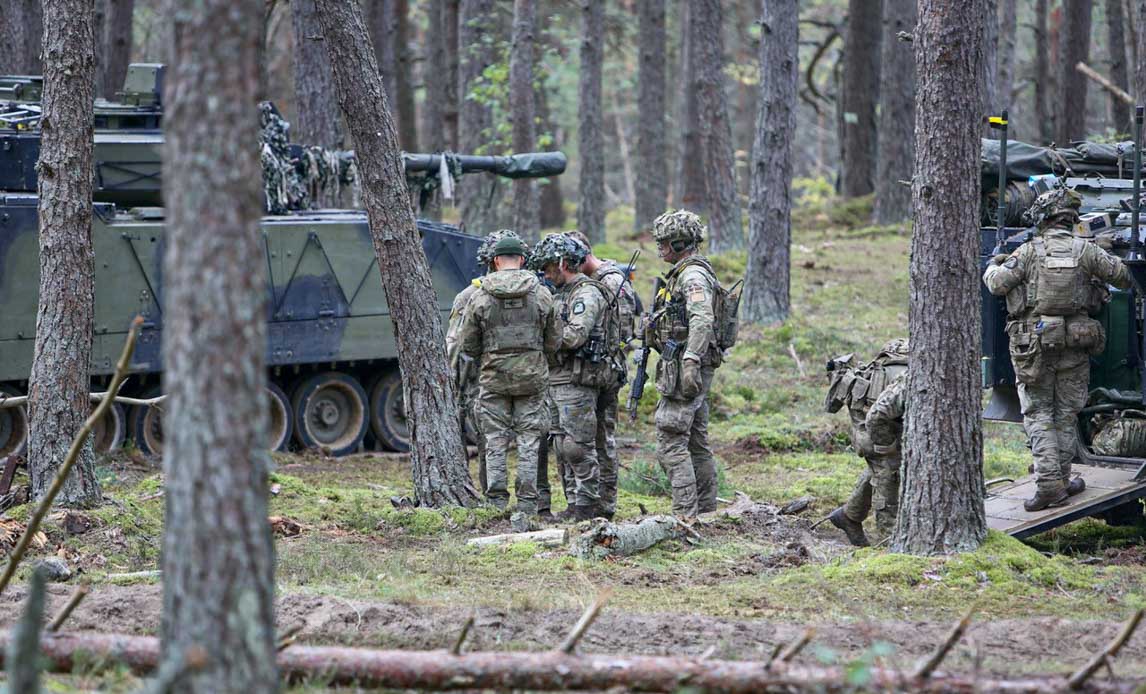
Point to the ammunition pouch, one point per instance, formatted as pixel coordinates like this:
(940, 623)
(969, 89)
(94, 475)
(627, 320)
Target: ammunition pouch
(838, 389)
(1085, 334)
(1051, 332)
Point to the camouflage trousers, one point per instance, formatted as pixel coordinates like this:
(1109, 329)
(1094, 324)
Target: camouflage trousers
(683, 452)
(544, 492)
(469, 408)
(878, 488)
(1051, 396)
(607, 447)
(502, 418)
(576, 442)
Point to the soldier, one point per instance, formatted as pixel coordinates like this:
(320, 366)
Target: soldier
(860, 389)
(624, 301)
(685, 334)
(509, 328)
(579, 368)
(1050, 287)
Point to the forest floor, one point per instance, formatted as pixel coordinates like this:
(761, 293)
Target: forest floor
(355, 570)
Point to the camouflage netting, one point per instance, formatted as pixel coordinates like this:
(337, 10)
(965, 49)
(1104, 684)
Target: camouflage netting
(1122, 434)
(295, 176)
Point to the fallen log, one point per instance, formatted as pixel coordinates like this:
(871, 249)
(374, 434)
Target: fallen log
(551, 671)
(605, 539)
(550, 537)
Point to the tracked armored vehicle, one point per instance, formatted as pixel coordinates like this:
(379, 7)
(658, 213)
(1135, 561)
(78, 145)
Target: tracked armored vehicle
(333, 373)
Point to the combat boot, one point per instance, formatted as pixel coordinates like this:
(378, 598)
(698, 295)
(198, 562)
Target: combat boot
(1075, 486)
(546, 516)
(851, 528)
(1045, 498)
(566, 516)
(585, 512)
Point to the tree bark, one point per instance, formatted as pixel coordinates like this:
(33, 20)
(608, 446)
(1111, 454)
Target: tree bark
(896, 136)
(941, 502)
(690, 180)
(1042, 73)
(652, 183)
(1130, 13)
(770, 200)
(451, 17)
(99, 44)
(218, 560)
(117, 40)
(522, 112)
(725, 228)
(477, 27)
(1070, 122)
(317, 120)
(990, 61)
(591, 139)
(552, 201)
(11, 37)
(389, 28)
(33, 15)
(435, 133)
(1119, 110)
(1008, 25)
(1140, 65)
(859, 94)
(440, 474)
(59, 384)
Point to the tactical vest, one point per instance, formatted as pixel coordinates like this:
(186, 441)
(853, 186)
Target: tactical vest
(512, 324)
(599, 362)
(1060, 286)
(672, 313)
(858, 388)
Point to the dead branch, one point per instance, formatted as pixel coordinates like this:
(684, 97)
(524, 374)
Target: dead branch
(606, 539)
(798, 645)
(810, 72)
(77, 597)
(24, 669)
(796, 358)
(18, 400)
(469, 624)
(585, 622)
(286, 638)
(928, 666)
(552, 671)
(1106, 84)
(73, 454)
(1105, 655)
(550, 537)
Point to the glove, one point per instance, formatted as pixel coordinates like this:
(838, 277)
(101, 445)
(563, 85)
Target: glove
(999, 259)
(1104, 242)
(690, 381)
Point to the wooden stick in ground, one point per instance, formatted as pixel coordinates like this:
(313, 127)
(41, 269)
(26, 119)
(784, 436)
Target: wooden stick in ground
(77, 597)
(798, 645)
(24, 667)
(1079, 678)
(287, 637)
(457, 649)
(796, 358)
(585, 622)
(928, 666)
(1106, 84)
(37, 516)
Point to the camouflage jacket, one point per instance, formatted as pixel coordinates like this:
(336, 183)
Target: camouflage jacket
(582, 307)
(685, 313)
(613, 277)
(508, 328)
(884, 423)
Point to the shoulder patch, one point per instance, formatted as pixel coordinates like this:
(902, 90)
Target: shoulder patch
(695, 294)
(1011, 263)
(578, 307)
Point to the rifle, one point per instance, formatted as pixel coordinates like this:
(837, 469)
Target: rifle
(641, 359)
(462, 372)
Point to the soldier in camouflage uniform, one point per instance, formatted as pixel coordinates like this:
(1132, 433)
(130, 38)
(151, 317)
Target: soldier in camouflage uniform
(859, 389)
(578, 369)
(685, 336)
(624, 301)
(509, 328)
(1051, 283)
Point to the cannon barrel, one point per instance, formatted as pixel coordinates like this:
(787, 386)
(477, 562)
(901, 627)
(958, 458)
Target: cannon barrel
(525, 165)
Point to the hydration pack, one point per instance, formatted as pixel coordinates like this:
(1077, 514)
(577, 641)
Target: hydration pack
(1062, 287)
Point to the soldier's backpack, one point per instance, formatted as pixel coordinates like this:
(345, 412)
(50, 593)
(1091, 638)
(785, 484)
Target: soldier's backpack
(859, 387)
(1062, 287)
(725, 307)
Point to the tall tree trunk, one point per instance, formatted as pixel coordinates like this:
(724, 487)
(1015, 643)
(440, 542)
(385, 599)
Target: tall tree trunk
(389, 28)
(726, 230)
(1042, 74)
(451, 18)
(859, 94)
(435, 132)
(117, 45)
(477, 28)
(1119, 110)
(652, 183)
(317, 119)
(33, 23)
(690, 180)
(591, 140)
(522, 112)
(11, 37)
(1131, 14)
(941, 501)
(990, 61)
(552, 202)
(1008, 25)
(59, 384)
(770, 201)
(439, 464)
(896, 150)
(218, 560)
(99, 44)
(1070, 123)
(1140, 65)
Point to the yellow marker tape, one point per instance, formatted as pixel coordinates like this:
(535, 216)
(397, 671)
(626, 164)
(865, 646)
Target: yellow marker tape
(476, 281)
(996, 120)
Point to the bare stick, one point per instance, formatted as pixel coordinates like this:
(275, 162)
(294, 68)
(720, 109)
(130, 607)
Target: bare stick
(73, 453)
(1106, 84)
(796, 358)
(457, 649)
(24, 666)
(287, 637)
(78, 596)
(928, 666)
(1079, 678)
(772, 658)
(585, 622)
(798, 645)
(18, 400)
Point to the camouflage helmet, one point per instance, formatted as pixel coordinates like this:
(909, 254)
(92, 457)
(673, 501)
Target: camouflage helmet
(556, 247)
(485, 252)
(1059, 201)
(680, 225)
(899, 345)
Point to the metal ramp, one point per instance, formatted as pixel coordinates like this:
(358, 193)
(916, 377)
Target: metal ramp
(1106, 488)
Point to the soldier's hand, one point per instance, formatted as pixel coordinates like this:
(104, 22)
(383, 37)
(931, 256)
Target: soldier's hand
(999, 259)
(690, 381)
(1104, 242)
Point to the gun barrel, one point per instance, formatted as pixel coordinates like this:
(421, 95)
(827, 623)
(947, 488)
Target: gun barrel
(526, 165)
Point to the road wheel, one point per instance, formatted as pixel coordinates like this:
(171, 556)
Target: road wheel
(388, 411)
(13, 426)
(146, 424)
(281, 423)
(330, 412)
(110, 430)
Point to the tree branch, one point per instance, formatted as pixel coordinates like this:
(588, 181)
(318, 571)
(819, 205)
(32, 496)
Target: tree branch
(1079, 678)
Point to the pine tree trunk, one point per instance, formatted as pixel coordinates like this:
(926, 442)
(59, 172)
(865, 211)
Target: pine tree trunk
(591, 140)
(1070, 122)
(451, 18)
(117, 45)
(389, 28)
(859, 94)
(1131, 15)
(725, 228)
(690, 181)
(552, 200)
(896, 137)
(477, 28)
(33, 31)
(652, 183)
(11, 37)
(317, 120)
(1042, 74)
(990, 62)
(218, 560)
(521, 98)
(59, 384)
(770, 200)
(941, 501)
(99, 44)
(441, 477)
(1008, 25)
(1119, 110)
(435, 133)
(1140, 42)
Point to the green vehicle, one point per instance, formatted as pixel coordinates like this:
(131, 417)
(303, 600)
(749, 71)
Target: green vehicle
(333, 374)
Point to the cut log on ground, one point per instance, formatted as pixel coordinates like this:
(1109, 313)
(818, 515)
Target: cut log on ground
(553, 671)
(550, 537)
(605, 539)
